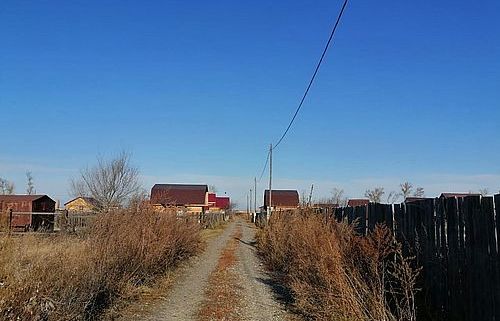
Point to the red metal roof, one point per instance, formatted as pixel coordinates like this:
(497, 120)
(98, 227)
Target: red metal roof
(178, 194)
(284, 198)
(353, 202)
(21, 198)
(222, 202)
(212, 198)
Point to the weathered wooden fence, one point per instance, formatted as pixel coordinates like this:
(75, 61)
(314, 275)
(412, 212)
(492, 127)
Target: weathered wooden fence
(456, 241)
(212, 220)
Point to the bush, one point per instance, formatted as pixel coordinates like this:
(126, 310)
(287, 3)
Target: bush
(68, 277)
(333, 274)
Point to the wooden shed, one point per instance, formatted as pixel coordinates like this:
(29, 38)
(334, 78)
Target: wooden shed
(29, 212)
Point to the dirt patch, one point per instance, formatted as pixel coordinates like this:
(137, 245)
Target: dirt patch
(222, 298)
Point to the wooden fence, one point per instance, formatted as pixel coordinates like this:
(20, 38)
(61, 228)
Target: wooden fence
(455, 241)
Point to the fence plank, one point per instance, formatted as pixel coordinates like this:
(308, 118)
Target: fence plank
(454, 309)
(488, 256)
(497, 259)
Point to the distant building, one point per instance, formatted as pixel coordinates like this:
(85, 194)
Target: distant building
(353, 202)
(83, 204)
(412, 199)
(28, 211)
(281, 199)
(457, 195)
(212, 200)
(222, 202)
(192, 199)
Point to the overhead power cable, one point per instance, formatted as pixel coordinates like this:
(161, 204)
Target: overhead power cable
(313, 76)
(264, 168)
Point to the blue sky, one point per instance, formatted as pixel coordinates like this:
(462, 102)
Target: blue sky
(197, 90)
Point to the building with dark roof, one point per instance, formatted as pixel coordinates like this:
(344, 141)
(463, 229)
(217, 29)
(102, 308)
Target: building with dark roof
(28, 211)
(353, 202)
(458, 195)
(281, 199)
(191, 198)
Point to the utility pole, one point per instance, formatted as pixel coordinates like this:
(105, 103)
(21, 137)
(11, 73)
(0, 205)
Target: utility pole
(310, 195)
(248, 212)
(270, 179)
(255, 191)
(251, 200)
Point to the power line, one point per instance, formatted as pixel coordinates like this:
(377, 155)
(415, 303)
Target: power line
(264, 168)
(313, 76)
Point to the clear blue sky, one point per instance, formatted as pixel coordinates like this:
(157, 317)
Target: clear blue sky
(196, 90)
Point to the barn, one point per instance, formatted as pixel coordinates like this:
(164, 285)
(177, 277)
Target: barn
(190, 198)
(281, 199)
(29, 211)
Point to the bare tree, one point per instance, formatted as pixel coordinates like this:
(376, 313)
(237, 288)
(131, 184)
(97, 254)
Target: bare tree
(484, 191)
(393, 197)
(338, 197)
(303, 198)
(111, 182)
(375, 195)
(212, 188)
(419, 192)
(30, 186)
(6, 187)
(407, 190)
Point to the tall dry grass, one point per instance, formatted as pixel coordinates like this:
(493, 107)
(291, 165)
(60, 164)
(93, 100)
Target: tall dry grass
(333, 274)
(69, 277)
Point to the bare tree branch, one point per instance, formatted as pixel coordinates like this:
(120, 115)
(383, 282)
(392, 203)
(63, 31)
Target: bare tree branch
(6, 187)
(111, 182)
(375, 195)
(30, 186)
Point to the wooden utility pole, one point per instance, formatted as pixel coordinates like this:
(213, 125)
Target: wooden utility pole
(255, 191)
(248, 212)
(270, 179)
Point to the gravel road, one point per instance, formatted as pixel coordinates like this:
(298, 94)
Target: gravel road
(259, 298)
(260, 294)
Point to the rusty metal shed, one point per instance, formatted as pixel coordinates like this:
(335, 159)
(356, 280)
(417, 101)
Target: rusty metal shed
(28, 211)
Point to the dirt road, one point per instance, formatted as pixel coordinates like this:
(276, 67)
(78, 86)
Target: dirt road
(225, 282)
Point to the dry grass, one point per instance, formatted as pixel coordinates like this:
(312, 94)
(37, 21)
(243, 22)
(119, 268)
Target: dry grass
(67, 277)
(222, 298)
(333, 274)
